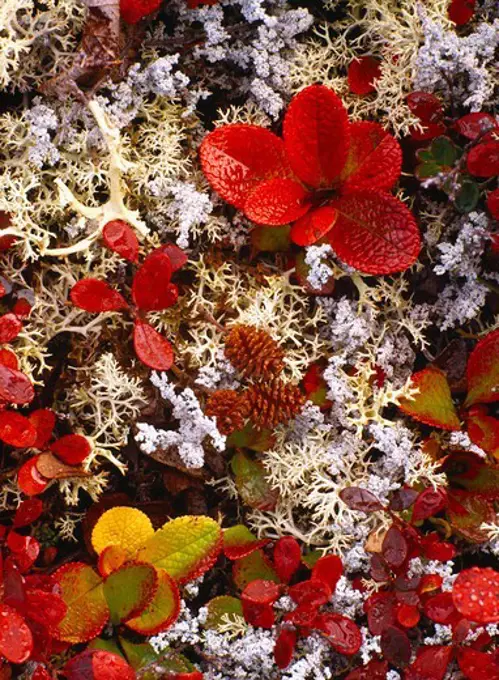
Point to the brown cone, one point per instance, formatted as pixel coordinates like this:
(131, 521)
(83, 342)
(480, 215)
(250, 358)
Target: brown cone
(273, 403)
(229, 409)
(253, 352)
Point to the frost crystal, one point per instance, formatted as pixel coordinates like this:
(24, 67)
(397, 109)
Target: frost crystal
(319, 273)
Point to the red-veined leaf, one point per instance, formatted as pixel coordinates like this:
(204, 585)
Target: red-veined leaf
(94, 295)
(395, 646)
(285, 647)
(15, 387)
(151, 348)
(375, 233)
(341, 632)
(461, 11)
(362, 75)
(287, 557)
(72, 449)
(360, 499)
(374, 159)
(29, 511)
(395, 548)
(119, 236)
(483, 159)
(276, 201)
(328, 570)
(151, 287)
(16, 641)
(430, 664)
(476, 594)
(429, 502)
(30, 481)
(313, 226)
(16, 429)
(235, 158)
(316, 135)
(97, 664)
(482, 371)
(473, 125)
(433, 404)
(10, 327)
(44, 421)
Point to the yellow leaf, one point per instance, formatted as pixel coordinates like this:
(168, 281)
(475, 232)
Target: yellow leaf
(127, 528)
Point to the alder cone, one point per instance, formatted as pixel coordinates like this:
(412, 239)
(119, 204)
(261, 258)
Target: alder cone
(229, 409)
(253, 352)
(273, 403)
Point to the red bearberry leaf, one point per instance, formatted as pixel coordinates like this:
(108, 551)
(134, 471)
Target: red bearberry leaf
(45, 608)
(177, 256)
(482, 371)
(313, 226)
(119, 236)
(261, 592)
(163, 609)
(341, 632)
(287, 557)
(477, 665)
(476, 594)
(151, 348)
(252, 567)
(285, 647)
(381, 611)
(483, 159)
(374, 159)
(316, 135)
(44, 421)
(483, 430)
(430, 664)
(374, 670)
(395, 646)
(311, 593)
(433, 404)
(94, 295)
(10, 327)
(429, 502)
(132, 11)
(25, 550)
(30, 481)
(15, 387)
(425, 106)
(362, 75)
(403, 498)
(16, 430)
(395, 548)
(72, 449)
(461, 11)
(493, 203)
(328, 570)
(29, 511)
(16, 641)
(474, 125)
(97, 664)
(375, 233)
(151, 287)
(236, 158)
(276, 202)
(41, 673)
(238, 542)
(440, 609)
(261, 615)
(8, 358)
(408, 615)
(360, 499)
(22, 308)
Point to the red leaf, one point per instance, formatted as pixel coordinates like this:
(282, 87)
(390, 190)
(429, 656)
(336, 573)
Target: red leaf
(360, 499)
(10, 327)
(72, 449)
(461, 11)
(260, 592)
(380, 608)
(476, 594)
(151, 348)
(433, 403)
(45, 608)
(132, 11)
(316, 135)
(483, 430)
(22, 308)
(41, 673)
(429, 502)
(29, 511)
(425, 106)
(474, 125)
(94, 295)
(96, 664)
(430, 663)
(119, 236)
(435, 549)
(483, 159)
(287, 557)
(395, 548)
(151, 287)
(261, 615)
(177, 256)
(362, 74)
(440, 609)
(15, 387)
(328, 570)
(16, 430)
(374, 159)
(395, 646)
(25, 550)
(313, 226)
(408, 615)
(403, 498)
(236, 158)
(44, 421)
(341, 632)
(29, 479)
(477, 665)
(374, 670)
(16, 641)
(276, 201)
(8, 358)
(493, 203)
(375, 233)
(429, 131)
(310, 593)
(482, 371)
(285, 647)
(304, 615)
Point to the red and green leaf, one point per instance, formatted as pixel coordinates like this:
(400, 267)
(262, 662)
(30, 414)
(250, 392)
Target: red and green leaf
(239, 541)
(163, 609)
(433, 404)
(482, 371)
(129, 590)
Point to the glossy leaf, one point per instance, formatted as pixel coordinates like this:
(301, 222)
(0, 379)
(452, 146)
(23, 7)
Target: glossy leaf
(16, 641)
(476, 594)
(311, 593)
(328, 570)
(97, 664)
(125, 527)
(395, 548)
(10, 327)
(395, 646)
(72, 449)
(30, 481)
(483, 159)
(29, 511)
(46, 608)
(426, 106)
(341, 632)
(151, 287)
(287, 557)
(482, 371)
(82, 592)
(375, 233)
(252, 567)
(285, 647)
(477, 665)
(259, 615)
(360, 499)
(362, 75)
(276, 202)
(316, 135)
(129, 590)
(433, 404)
(16, 429)
(119, 236)
(163, 609)
(260, 592)
(185, 547)
(15, 387)
(44, 421)
(151, 348)
(440, 609)
(473, 125)
(94, 295)
(313, 226)
(430, 664)
(236, 158)
(381, 612)
(429, 502)
(220, 608)
(239, 541)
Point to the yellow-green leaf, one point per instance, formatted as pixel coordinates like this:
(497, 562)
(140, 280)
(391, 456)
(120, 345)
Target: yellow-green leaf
(222, 608)
(433, 404)
(253, 567)
(83, 593)
(186, 547)
(138, 654)
(162, 611)
(125, 527)
(129, 590)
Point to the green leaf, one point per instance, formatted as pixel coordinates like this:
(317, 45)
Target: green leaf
(221, 608)
(253, 567)
(271, 239)
(310, 558)
(186, 547)
(138, 655)
(251, 482)
(238, 541)
(163, 609)
(439, 157)
(106, 646)
(467, 196)
(129, 590)
(251, 438)
(433, 404)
